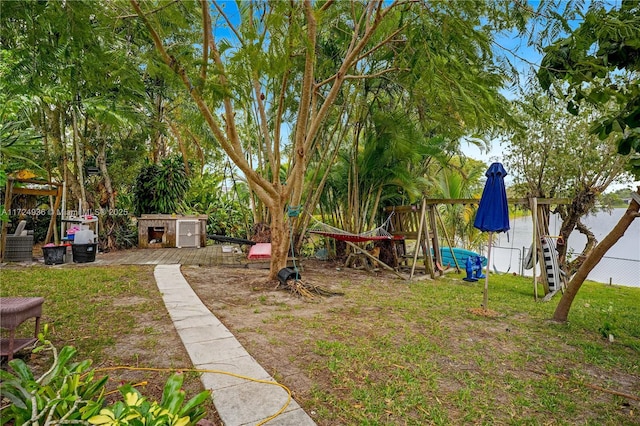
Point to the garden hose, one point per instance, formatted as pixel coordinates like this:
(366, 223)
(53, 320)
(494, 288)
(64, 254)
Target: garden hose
(198, 370)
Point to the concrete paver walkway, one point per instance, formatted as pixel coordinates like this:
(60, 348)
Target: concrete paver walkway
(211, 346)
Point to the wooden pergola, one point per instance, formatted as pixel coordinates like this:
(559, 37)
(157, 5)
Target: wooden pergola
(420, 224)
(36, 188)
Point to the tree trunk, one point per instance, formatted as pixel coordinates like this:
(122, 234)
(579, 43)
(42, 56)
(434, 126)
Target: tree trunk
(157, 139)
(582, 202)
(79, 160)
(562, 311)
(575, 264)
(182, 145)
(279, 242)
(101, 161)
(313, 198)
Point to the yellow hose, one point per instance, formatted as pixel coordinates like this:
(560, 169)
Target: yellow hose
(197, 370)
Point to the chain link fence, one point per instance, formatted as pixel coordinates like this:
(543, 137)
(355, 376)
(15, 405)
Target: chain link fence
(616, 270)
(610, 270)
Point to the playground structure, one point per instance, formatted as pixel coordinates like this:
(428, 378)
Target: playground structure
(420, 225)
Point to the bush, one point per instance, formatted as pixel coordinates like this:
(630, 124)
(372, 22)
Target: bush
(118, 232)
(69, 393)
(160, 187)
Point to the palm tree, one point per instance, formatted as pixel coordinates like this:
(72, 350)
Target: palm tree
(460, 178)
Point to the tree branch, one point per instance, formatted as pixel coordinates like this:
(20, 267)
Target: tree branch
(230, 145)
(206, 36)
(301, 132)
(229, 23)
(374, 75)
(151, 12)
(382, 43)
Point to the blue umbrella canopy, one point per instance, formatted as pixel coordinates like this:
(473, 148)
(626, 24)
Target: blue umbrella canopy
(493, 211)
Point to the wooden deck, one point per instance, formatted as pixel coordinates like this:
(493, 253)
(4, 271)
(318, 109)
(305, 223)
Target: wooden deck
(205, 256)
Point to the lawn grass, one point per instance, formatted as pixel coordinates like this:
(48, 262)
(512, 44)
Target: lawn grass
(425, 358)
(113, 316)
(394, 353)
(81, 304)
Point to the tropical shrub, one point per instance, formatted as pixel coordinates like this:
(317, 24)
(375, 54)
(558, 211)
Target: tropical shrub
(228, 210)
(66, 392)
(118, 232)
(70, 393)
(160, 187)
(136, 410)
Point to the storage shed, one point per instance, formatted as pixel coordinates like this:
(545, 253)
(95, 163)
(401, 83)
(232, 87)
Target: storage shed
(170, 230)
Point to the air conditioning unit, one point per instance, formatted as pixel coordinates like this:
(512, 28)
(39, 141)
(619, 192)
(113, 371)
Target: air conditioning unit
(188, 233)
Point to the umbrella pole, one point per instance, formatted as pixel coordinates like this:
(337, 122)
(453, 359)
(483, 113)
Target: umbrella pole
(485, 300)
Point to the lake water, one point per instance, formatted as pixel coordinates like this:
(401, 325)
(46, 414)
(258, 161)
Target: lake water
(621, 264)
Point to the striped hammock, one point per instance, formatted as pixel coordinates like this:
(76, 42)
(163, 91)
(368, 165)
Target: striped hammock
(377, 234)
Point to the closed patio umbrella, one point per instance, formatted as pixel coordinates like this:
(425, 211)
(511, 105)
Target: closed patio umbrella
(493, 212)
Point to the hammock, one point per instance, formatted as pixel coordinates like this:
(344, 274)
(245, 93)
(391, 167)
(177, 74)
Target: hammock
(377, 234)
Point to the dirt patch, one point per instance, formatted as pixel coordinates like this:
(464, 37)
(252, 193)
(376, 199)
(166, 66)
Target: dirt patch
(489, 313)
(261, 314)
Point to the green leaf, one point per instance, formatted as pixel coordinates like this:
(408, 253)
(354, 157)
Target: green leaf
(95, 387)
(21, 369)
(171, 390)
(175, 402)
(63, 357)
(16, 394)
(194, 402)
(624, 146)
(616, 126)
(603, 134)
(6, 376)
(90, 409)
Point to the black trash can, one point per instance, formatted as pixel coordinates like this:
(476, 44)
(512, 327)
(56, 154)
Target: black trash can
(83, 253)
(54, 255)
(286, 274)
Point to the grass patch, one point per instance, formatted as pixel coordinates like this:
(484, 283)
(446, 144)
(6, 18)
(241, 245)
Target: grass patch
(86, 307)
(387, 352)
(399, 353)
(112, 315)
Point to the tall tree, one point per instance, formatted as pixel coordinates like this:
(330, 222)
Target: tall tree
(553, 155)
(598, 64)
(78, 82)
(268, 59)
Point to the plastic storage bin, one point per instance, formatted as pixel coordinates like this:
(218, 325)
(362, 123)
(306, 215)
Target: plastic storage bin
(83, 253)
(54, 255)
(83, 236)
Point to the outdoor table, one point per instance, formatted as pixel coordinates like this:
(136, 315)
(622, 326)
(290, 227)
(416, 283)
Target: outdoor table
(13, 312)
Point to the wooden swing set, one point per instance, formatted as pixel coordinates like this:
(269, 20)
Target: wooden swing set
(420, 224)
